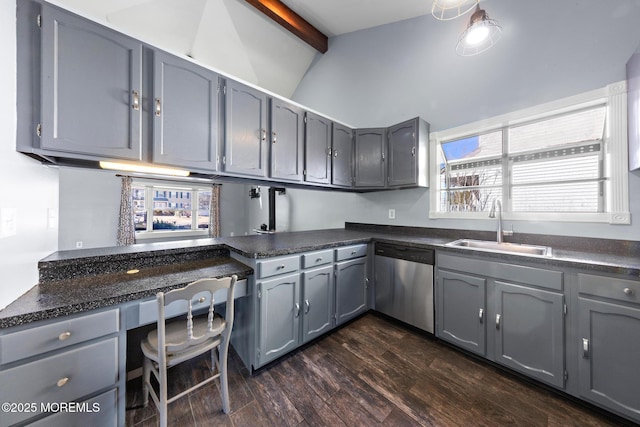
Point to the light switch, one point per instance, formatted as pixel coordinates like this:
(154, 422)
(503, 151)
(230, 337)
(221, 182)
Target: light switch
(8, 219)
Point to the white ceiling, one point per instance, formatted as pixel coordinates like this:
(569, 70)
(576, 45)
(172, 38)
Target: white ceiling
(233, 37)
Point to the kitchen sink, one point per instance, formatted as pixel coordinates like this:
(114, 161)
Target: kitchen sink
(510, 248)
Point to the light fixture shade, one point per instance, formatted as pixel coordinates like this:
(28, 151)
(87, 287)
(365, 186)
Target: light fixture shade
(445, 10)
(480, 35)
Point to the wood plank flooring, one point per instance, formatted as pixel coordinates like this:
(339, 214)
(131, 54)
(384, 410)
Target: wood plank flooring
(371, 372)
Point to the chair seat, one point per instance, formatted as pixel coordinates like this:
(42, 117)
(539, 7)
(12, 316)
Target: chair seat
(176, 334)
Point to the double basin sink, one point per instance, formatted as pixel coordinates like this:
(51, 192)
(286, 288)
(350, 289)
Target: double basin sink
(502, 247)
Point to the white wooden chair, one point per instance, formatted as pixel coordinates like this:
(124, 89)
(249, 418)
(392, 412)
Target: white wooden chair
(178, 340)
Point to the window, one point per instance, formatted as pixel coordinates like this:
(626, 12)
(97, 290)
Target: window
(167, 209)
(559, 161)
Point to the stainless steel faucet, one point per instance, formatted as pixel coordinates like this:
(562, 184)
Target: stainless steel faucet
(492, 214)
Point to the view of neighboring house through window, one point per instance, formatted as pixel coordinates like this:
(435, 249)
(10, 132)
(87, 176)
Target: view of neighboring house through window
(553, 164)
(167, 208)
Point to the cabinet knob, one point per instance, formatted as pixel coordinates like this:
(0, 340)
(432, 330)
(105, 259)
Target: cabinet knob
(62, 381)
(201, 300)
(628, 291)
(335, 153)
(65, 335)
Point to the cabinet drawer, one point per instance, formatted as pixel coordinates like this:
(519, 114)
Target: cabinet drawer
(61, 378)
(42, 339)
(100, 411)
(314, 259)
(349, 252)
(277, 266)
(610, 287)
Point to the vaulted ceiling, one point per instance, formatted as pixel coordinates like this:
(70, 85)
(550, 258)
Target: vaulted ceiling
(235, 38)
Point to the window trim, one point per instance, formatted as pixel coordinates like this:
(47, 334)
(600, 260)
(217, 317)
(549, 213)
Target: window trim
(170, 185)
(616, 169)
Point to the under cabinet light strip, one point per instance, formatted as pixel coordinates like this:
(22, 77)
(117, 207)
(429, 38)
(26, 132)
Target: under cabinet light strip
(131, 167)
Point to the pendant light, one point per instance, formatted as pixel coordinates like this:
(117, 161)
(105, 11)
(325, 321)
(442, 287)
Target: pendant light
(445, 10)
(480, 35)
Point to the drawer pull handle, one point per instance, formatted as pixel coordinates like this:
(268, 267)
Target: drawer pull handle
(297, 312)
(307, 306)
(585, 348)
(628, 291)
(354, 252)
(136, 100)
(319, 259)
(481, 315)
(201, 300)
(62, 381)
(65, 335)
(280, 267)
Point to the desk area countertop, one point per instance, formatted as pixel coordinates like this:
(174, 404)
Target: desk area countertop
(81, 280)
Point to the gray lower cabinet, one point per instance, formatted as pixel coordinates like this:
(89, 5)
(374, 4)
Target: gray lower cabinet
(609, 343)
(370, 157)
(279, 317)
(511, 314)
(91, 89)
(351, 289)
(287, 132)
(317, 158)
(408, 154)
(342, 160)
(245, 140)
(529, 331)
(49, 363)
(461, 310)
(318, 293)
(185, 114)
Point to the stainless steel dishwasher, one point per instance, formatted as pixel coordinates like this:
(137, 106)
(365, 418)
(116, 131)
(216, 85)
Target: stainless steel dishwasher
(404, 284)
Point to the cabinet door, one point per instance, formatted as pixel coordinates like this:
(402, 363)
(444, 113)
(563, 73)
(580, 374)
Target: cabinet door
(529, 328)
(245, 130)
(279, 317)
(609, 355)
(402, 149)
(185, 113)
(287, 122)
(342, 162)
(370, 149)
(461, 310)
(317, 302)
(351, 289)
(91, 88)
(317, 157)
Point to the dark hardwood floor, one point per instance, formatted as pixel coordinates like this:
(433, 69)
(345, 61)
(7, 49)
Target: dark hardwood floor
(371, 372)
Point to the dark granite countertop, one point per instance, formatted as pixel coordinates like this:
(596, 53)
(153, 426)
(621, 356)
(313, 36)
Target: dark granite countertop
(69, 296)
(77, 281)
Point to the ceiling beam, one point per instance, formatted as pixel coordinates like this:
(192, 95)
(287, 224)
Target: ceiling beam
(293, 22)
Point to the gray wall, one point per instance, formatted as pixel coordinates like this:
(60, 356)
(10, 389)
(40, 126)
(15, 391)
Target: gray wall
(387, 74)
(90, 201)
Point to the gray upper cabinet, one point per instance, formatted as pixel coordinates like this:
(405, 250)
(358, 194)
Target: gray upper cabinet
(461, 310)
(245, 130)
(342, 161)
(529, 327)
(91, 89)
(370, 158)
(408, 154)
(287, 124)
(633, 112)
(317, 158)
(185, 114)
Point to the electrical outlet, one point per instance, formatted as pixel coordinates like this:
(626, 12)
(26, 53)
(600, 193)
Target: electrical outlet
(79, 244)
(392, 214)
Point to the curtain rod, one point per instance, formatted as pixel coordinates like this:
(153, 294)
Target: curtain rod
(169, 178)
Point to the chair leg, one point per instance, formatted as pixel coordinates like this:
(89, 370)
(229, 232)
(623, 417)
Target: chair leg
(224, 385)
(146, 379)
(162, 370)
